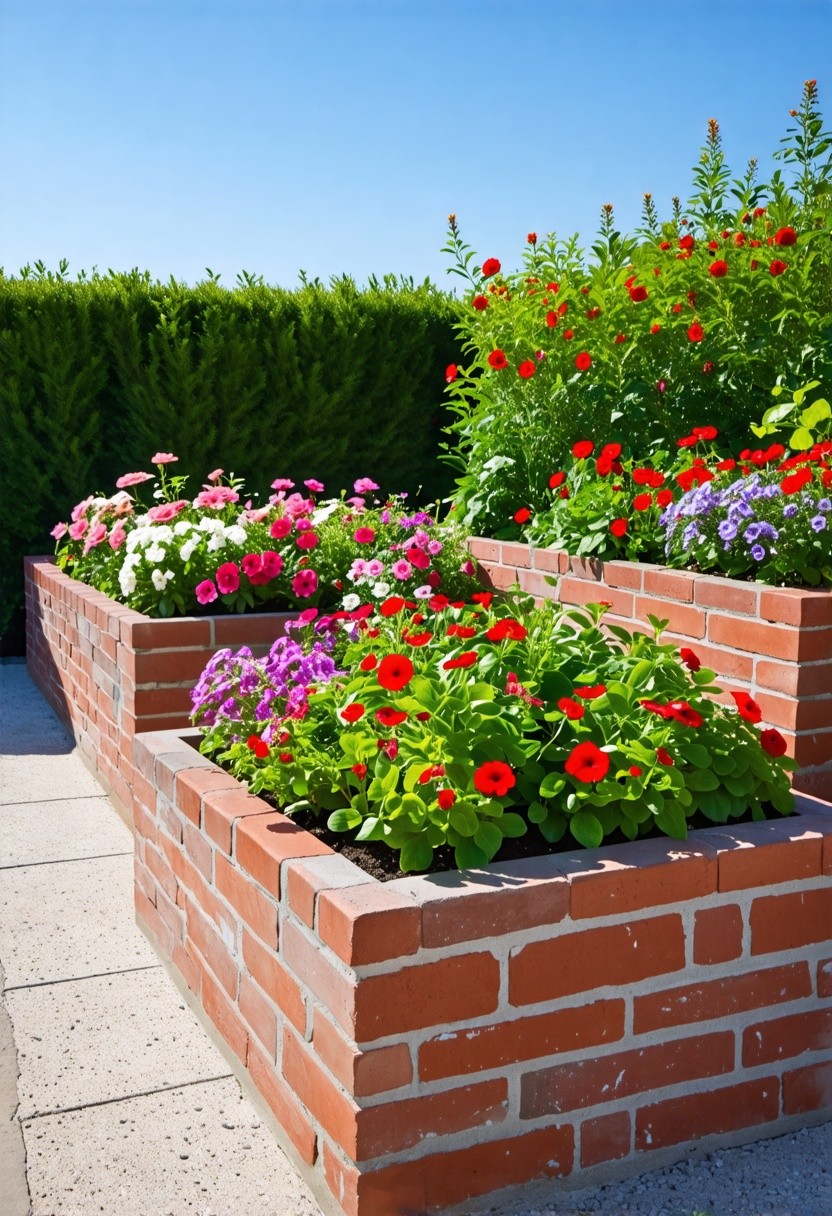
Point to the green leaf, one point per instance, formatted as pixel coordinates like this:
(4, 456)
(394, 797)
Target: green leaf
(512, 825)
(801, 439)
(551, 785)
(343, 821)
(468, 856)
(463, 818)
(416, 854)
(702, 779)
(586, 829)
(671, 820)
(488, 837)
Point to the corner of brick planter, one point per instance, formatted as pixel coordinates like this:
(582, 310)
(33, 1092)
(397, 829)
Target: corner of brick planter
(772, 642)
(439, 1039)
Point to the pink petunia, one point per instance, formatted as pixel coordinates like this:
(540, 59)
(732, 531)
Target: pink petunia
(216, 497)
(315, 487)
(401, 569)
(364, 485)
(206, 592)
(357, 503)
(80, 508)
(364, 536)
(167, 511)
(374, 568)
(59, 530)
(77, 530)
(280, 528)
(117, 537)
(307, 540)
(228, 578)
(132, 479)
(164, 458)
(216, 475)
(283, 483)
(468, 567)
(297, 506)
(95, 536)
(304, 584)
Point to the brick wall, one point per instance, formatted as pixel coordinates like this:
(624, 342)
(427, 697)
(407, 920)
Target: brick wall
(109, 672)
(429, 1040)
(773, 642)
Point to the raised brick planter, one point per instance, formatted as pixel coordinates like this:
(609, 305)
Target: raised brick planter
(774, 642)
(109, 672)
(427, 1041)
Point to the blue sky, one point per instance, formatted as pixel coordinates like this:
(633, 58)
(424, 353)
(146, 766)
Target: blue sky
(336, 135)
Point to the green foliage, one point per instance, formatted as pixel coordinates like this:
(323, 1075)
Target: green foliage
(801, 425)
(688, 322)
(325, 381)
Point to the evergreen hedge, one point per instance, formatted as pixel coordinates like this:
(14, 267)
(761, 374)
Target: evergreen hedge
(330, 382)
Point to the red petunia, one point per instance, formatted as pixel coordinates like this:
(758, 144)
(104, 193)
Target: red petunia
(461, 631)
(258, 746)
(388, 716)
(508, 628)
(777, 267)
(690, 660)
(664, 757)
(773, 742)
(687, 242)
(747, 707)
(591, 692)
(494, 778)
(368, 663)
(522, 515)
(682, 712)
(796, 481)
(480, 303)
(431, 773)
(582, 449)
(572, 709)
(446, 799)
(451, 373)
(664, 498)
(466, 659)
(785, 236)
(489, 267)
(718, 269)
(497, 359)
(483, 597)
(351, 713)
(526, 369)
(696, 333)
(583, 361)
(638, 293)
(586, 762)
(551, 319)
(417, 639)
(642, 502)
(568, 335)
(557, 479)
(394, 672)
(360, 771)
(618, 527)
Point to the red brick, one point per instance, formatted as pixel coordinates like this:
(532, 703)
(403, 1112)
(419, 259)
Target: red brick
(224, 1016)
(513, 554)
(270, 973)
(256, 909)
(786, 922)
(315, 969)
(213, 949)
(807, 1089)
(147, 634)
(158, 866)
(476, 1049)
(588, 1082)
(411, 998)
(756, 637)
(398, 1125)
(188, 967)
(714, 1112)
(166, 666)
(669, 584)
(263, 842)
(639, 874)
(262, 628)
(306, 878)
(681, 618)
(283, 1104)
(533, 582)
(550, 561)
(764, 854)
(485, 550)
(721, 998)
(579, 962)
(498, 577)
(258, 1014)
(781, 1038)
(629, 575)
(825, 977)
(581, 591)
(199, 850)
(793, 679)
(192, 783)
(368, 924)
(362, 1073)
(605, 1138)
(223, 806)
(717, 934)
(149, 918)
(328, 1104)
(169, 702)
(795, 606)
(727, 593)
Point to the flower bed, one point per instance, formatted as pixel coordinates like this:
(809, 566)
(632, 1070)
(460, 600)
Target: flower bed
(109, 672)
(774, 642)
(432, 1040)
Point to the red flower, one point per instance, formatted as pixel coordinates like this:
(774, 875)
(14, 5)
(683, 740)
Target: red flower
(466, 659)
(637, 294)
(664, 757)
(593, 314)
(572, 709)
(773, 742)
(777, 267)
(687, 241)
(351, 713)
(682, 712)
(431, 773)
(591, 692)
(446, 799)
(664, 498)
(390, 747)
(693, 476)
(489, 267)
(494, 778)
(696, 333)
(619, 338)
(785, 236)
(480, 303)
(718, 269)
(461, 631)
(551, 319)
(360, 771)
(582, 449)
(635, 771)
(618, 527)
(522, 515)
(532, 238)
(388, 716)
(256, 745)
(568, 335)
(482, 597)
(394, 672)
(285, 757)
(747, 707)
(643, 502)
(508, 628)
(368, 662)
(796, 481)
(392, 605)
(437, 603)
(526, 369)
(587, 762)
(497, 359)
(664, 245)
(690, 660)
(557, 479)
(654, 329)
(583, 361)
(417, 639)
(451, 373)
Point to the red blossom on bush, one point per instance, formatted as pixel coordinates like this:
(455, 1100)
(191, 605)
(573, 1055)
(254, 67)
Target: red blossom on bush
(258, 746)
(590, 692)
(777, 267)
(583, 362)
(690, 660)
(582, 449)
(793, 482)
(467, 659)
(507, 628)
(747, 707)
(394, 672)
(352, 713)
(389, 716)
(392, 605)
(360, 771)
(696, 333)
(618, 526)
(638, 293)
(497, 359)
(586, 762)
(494, 779)
(664, 757)
(773, 742)
(571, 708)
(642, 502)
(451, 373)
(368, 663)
(718, 269)
(490, 266)
(785, 236)
(480, 303)
(522, 515)
(526, 369)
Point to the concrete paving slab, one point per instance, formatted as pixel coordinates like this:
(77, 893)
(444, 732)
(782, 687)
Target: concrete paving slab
(27, 723)
(69, 919)
(13, 1186)
(93, 1040)
(200, 1150)
(60, 831)
(28, 777)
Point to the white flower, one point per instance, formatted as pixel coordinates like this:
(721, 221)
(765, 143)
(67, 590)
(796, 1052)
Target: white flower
(127, 580)
(215, 544)
(325, 509)
(351, 602)
(155, 553)
(423, 593)
(187, 549)
(236, 534)
(209, 524)
(159, 579)
(381, 589)
(182, 527)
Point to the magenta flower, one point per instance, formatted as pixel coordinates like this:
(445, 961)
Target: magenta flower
(357, 503)
(206, 592)
(167, 511)
(164, 458)
(316, 487)
(307, 615)
(364, 536)
(58, 531)
(79, 508)
(401, 569)
(304, 584)
(307, 540)
(283, 483)
(374, 568)
(280, 528)
(468, 567)
(364, 485)
(296, 506)
(132, 479)
(216, 497)
(228, 578)
(262, 568)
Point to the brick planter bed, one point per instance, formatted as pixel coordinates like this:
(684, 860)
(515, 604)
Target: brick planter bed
(427, 1041)
(110, 672)
(774, 642)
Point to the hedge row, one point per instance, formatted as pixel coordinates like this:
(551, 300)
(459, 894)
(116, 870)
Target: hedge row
(332, 382)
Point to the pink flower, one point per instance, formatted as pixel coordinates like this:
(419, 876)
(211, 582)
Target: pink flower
(164, 458)
(228, 578)
(374, 568)
(307, 615)
(434, 579)
(167, 511)
(304, 584)
(364, 485)
(297, 506)
(79, 509)
(216, 475)
(95, 536)
(206, 592)
(418, 558)
(216, 497)
(77, 530)
(401, 569)
(357, 503)
(315, 487)
(256, 515)
(364, 536)
(262, 568)
(283, 483)
(280, 528)
(132, 479)
(468, 567)
(117, 537)
(307, 540)
(58, 531)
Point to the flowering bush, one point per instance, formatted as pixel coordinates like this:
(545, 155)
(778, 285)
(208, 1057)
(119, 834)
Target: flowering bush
(462, 724)
(688, 319)
(184, 555)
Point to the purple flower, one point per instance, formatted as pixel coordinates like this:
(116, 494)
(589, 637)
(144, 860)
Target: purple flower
(727, 530)
(790, 510)
(758, 552)
(818, 523)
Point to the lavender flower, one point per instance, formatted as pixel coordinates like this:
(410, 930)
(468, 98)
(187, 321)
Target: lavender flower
(818, 523)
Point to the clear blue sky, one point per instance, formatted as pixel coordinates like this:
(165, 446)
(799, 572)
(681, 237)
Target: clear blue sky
(336, 135)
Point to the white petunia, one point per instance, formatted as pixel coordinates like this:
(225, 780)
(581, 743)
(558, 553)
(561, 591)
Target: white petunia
(187, 550)
(236, 534)
(381, 589)
(215, 544)
(159, 579)
(155, 553)
(351, 602)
